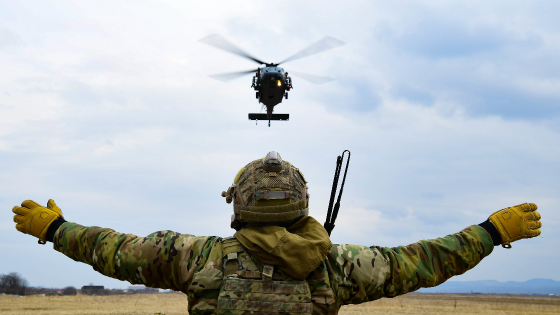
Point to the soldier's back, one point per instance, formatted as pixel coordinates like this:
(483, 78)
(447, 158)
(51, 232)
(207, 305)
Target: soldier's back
(229, 280)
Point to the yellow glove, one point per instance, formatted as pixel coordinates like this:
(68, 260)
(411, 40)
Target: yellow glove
(34, 219)
(517, 222)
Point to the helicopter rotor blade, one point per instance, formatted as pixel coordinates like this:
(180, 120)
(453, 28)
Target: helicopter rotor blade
(324, 44)
(315, 79)
(226, 77)
(219, 42)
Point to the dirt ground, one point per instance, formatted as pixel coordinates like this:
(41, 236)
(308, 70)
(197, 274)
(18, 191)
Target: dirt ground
(175, 304)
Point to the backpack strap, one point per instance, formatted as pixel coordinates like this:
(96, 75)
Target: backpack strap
(230, 249)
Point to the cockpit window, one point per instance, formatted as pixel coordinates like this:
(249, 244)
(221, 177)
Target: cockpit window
(273, 69)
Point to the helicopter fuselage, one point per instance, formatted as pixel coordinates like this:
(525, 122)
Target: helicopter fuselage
(271, 84)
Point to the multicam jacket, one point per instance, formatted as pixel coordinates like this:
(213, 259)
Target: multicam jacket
(351, 274)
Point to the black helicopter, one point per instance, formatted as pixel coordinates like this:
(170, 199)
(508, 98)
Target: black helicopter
(271, 82)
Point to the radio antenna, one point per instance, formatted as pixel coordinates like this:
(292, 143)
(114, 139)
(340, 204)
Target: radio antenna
(333, 213)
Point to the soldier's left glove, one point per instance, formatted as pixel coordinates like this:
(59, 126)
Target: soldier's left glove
(517, 222)
(34, 219)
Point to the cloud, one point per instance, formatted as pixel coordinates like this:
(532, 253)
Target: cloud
(413, 94)
(133, 140)
(9, 38)
(481, 67)
(441, 39)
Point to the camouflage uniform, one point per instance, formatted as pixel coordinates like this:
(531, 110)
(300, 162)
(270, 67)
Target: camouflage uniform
(350, 274)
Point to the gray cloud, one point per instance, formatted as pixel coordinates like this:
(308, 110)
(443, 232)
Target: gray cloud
(413, 94)
(485, 71)
(9, 38)
(449, 39)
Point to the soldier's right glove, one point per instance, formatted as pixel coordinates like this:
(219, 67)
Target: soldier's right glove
(517, 222)
(34, 219)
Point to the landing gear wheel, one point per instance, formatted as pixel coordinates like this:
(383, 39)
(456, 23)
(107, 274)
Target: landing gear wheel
(286, 95)
(257, 95)
(269, 123)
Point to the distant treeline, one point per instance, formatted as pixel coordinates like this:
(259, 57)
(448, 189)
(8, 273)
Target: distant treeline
(13, 283)
(100, 290)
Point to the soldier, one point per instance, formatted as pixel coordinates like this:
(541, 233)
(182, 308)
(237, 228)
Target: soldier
(280, 260)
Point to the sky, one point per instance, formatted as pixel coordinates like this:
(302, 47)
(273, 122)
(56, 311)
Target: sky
(450, 109)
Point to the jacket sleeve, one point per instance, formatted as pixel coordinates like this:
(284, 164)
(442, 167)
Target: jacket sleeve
(368, 273)
(163, 259)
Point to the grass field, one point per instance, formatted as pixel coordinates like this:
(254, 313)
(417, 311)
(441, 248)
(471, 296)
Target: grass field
(463, 304)
(174, 304)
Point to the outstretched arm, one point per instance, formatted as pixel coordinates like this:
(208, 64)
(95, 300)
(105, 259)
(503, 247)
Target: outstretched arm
(162, 259)
(369, 273)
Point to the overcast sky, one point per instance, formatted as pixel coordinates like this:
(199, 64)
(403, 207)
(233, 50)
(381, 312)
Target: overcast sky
(451, 111)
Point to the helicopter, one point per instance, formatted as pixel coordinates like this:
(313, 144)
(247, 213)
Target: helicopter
(270, 82)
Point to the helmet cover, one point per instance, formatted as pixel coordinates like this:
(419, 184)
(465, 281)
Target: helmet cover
(268, 191)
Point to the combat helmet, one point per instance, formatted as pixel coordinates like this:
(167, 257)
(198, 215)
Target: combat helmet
(267, 191)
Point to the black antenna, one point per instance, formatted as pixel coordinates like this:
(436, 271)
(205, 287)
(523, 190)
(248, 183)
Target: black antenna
(333, 213)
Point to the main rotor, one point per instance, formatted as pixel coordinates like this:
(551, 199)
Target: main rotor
(217, 41)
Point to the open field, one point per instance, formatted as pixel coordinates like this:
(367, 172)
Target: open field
(460, 304)
(174, 304)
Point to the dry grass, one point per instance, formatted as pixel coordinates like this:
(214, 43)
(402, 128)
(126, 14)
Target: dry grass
(174, 304)
(460, 304)
(170, 304)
